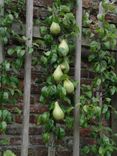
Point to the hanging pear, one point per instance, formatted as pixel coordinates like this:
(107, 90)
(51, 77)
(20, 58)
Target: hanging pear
(55, 28)
(57, 74)
(63, 48)
(68, 85)
(58, 113)
(65, 66)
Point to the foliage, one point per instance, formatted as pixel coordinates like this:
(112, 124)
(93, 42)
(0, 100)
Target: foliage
(9, 85)
(96, 98)
(8, 153)
(59, 38)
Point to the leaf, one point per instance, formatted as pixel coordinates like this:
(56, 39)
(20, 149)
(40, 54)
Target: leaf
(7, 65)
(97, 82)
(42, 99)
(44, 91)
(44, 60)
(104, 109)
(107, 44)
(30, 50)
(101, 151)
(94, 46)
(10, 51)
(3, 125)
(60, 132)
(54, 58)
(69, 122)
(8, 153)
(4, 141)
(22, 52)
(5, 95)
(113, 90)
(52, 90)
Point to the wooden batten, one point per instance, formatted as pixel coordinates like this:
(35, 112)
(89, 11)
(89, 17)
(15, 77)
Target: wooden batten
(27, 78)
(76, 141)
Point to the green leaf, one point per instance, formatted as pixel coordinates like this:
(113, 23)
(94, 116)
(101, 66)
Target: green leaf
(30, 50)
(113, 90)
(97, 82)
(3, 125)
(5, 95)
(94, 46)
(101, 151)
(52, 90)
(60, 132)
(10, 51)
(44, 60)
(8, 153)
(44, 91)
(54, 58)
(7, 65)
(42, 99)
(105, 109)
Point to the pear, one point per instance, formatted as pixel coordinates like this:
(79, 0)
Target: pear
(68, 85)
(65, 66)
(63, 48)
(58, 113)
(55, 28)
(57, 74)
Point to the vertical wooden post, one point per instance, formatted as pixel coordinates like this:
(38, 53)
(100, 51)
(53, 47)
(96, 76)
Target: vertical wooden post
(100, 25)
(100, 12)
(76, 146)
(1, 45)
(27, 81)
(51, 148)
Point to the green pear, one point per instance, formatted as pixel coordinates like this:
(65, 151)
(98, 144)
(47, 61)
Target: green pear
(68, 85)
(63, 48)
(57, 74)
(58, 113)
(55, 28)
(65, 66)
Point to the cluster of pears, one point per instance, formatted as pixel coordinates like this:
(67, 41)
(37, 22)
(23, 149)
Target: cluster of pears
(63, 50)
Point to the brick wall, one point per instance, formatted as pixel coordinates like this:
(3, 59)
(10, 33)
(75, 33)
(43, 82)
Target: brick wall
(36, 145)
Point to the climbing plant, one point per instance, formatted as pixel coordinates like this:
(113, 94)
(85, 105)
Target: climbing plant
(9, 68)
(58, 33)
(96, 98)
